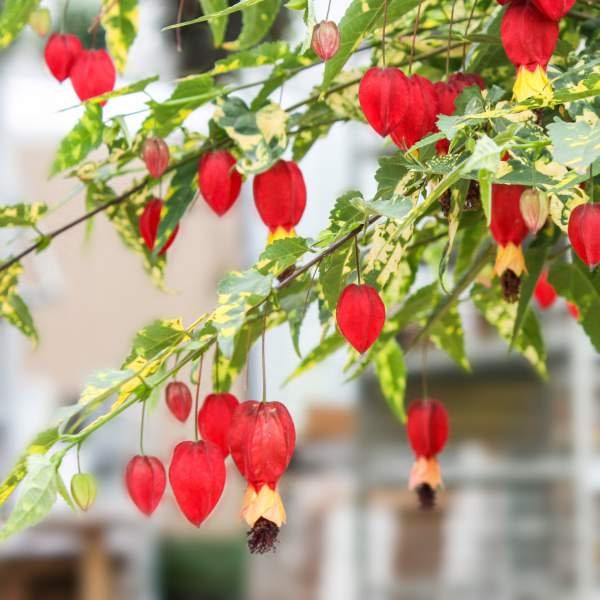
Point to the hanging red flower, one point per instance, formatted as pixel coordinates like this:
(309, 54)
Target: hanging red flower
(529, 38)
(262, 439)
(584, 233)
(553, 9)
(383, 97)
(427, 427)
(61, 52)
(325, 39)
(218, 180)
(214, 419)
(360, 315)
(197, 476)
(179, 400)
(145, 480)
(93, 74)
(280, 198)
(149, 223)
(544, 291)
(155, 153)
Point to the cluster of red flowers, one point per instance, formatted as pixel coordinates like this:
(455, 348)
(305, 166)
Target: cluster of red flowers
(92, 72)
(261, 439)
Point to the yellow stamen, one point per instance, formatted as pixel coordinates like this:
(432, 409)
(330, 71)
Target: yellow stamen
(510, 257)
(267, 504)
(532, 84)
(279, 234)
(425, 470)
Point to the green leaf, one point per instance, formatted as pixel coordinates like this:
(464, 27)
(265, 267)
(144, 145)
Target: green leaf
(346, 215)
(313, 124)
(333, 271)
(81, 140)
(22, 215)
(265, 54)
(282, 254)
(37, 497)
(391, 372)
(256, 22)
(218, 26)
(447, 334)
(14, 16)
(156, 337)
(242, 5)
(575, 145)
(12, 306)
(120, 21)
(132, 88)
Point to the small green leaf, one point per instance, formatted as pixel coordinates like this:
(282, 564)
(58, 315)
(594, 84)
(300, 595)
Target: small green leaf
(120, 21)
(391, 372)
(22, 215)
(575, 145)
(333, 271)
(218, 26)
(281, 254)
(14, 16)
(265, 54)
(256, 22)
(156, 337)
(242, 5)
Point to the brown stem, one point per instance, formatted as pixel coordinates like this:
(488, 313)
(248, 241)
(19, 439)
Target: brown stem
(98, 18)
(414, 37)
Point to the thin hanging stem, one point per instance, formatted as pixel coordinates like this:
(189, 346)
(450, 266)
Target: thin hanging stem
(467, 27)
(63, 25)
(217, 357)
(357, 258)
(178, 30)
(198, 380)
(424, 387)
(591, 185)
(142, 423)
(78, 460)
(264, 359)
(414, 37)
(328, 7)
(385, 18)
(450, 38)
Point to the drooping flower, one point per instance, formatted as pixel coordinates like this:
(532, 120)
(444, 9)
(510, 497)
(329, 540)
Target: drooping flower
(179, 400)
(280, 198)
(360, 315)
(553, 9)
(383, 97)
(197, 477)
(93, 74)
(535, 208)
(427, 428)
(61, 52)
(218, 180)
(145, 480)
(155, 154)
(529, 38)
(544, 291)
(584, 233)
(214, 419)
(325, 39)
(262, 439)
(149, 223)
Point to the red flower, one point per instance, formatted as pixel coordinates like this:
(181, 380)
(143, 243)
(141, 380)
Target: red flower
(197, 476)
(179, 400)
(427, 428)
(360, 315)
(553, 9)
(60, 53)
(145, 480)
(149, 223)
(325, 39)
(573, 310)
(280, 198)
(383, 97)
(155, 153)
(93, 74)
(214, 419)
(262, 439)
(584, 233)
(218, 180)
(544, 292)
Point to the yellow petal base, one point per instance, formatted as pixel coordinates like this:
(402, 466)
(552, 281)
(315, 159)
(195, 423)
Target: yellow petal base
(510, 257)
(267, 504)
(425, 470)
(280, 234)
(532, 84)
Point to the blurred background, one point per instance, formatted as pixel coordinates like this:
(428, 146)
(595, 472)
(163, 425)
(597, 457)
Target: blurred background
(518, 518)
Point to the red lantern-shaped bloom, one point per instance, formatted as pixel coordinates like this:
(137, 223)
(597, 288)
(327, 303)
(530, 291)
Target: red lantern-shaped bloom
(360, 315)
(553, 9)
(145, 480)
(544, 291)
(93, 74)
(149, 223)
(218, 180)
(383, 97)
(280, 198)
(214, 419)
(529, 38)
(197, 476)
(179, 400)
(420, 116)
(61, 52)
(262, 439)
(155, 153)
(584, 233)
(325, 39)
(427, 428)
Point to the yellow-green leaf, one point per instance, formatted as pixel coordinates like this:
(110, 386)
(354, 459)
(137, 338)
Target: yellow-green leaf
(14, 16)
(120, 21)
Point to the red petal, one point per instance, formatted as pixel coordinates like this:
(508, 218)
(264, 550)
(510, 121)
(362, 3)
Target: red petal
(179, 400)
(584, 233)
(544, 292)
(214, 419)
(427, 427)
(218, 180)
(508, 225)
(145, 480)
(149, 222)
(60, 53)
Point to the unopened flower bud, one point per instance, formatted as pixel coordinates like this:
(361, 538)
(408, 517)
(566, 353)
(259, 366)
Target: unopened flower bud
(83, 490)
(155, 153)
(534, 209)
(40, 21)
(325, 39)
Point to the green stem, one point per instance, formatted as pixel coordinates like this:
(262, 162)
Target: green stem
(264, 359)
(199, 379)
(142, 423)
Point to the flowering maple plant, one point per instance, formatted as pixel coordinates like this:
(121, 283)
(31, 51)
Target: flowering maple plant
(486, 190)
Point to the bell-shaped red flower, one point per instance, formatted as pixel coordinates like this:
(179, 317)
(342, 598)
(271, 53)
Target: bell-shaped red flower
(553, 9)
(325, 39)
(427, 428)
(179, 400)
(529, 38)
(149, 223)
(383, 97)
(262, 439)
(584, 233)
(93, 74)
(280, 198)
(145, 480)
(360, 315)
(197, 476)
(218, 180)
(544, 291)
(61, 52)
(214, 419)
(420, 116)
(155, 153)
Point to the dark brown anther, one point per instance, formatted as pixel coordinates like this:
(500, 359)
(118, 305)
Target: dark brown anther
(473, 199)
(511, 284)
(446, 203)
(426, 495)
(262, 538)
